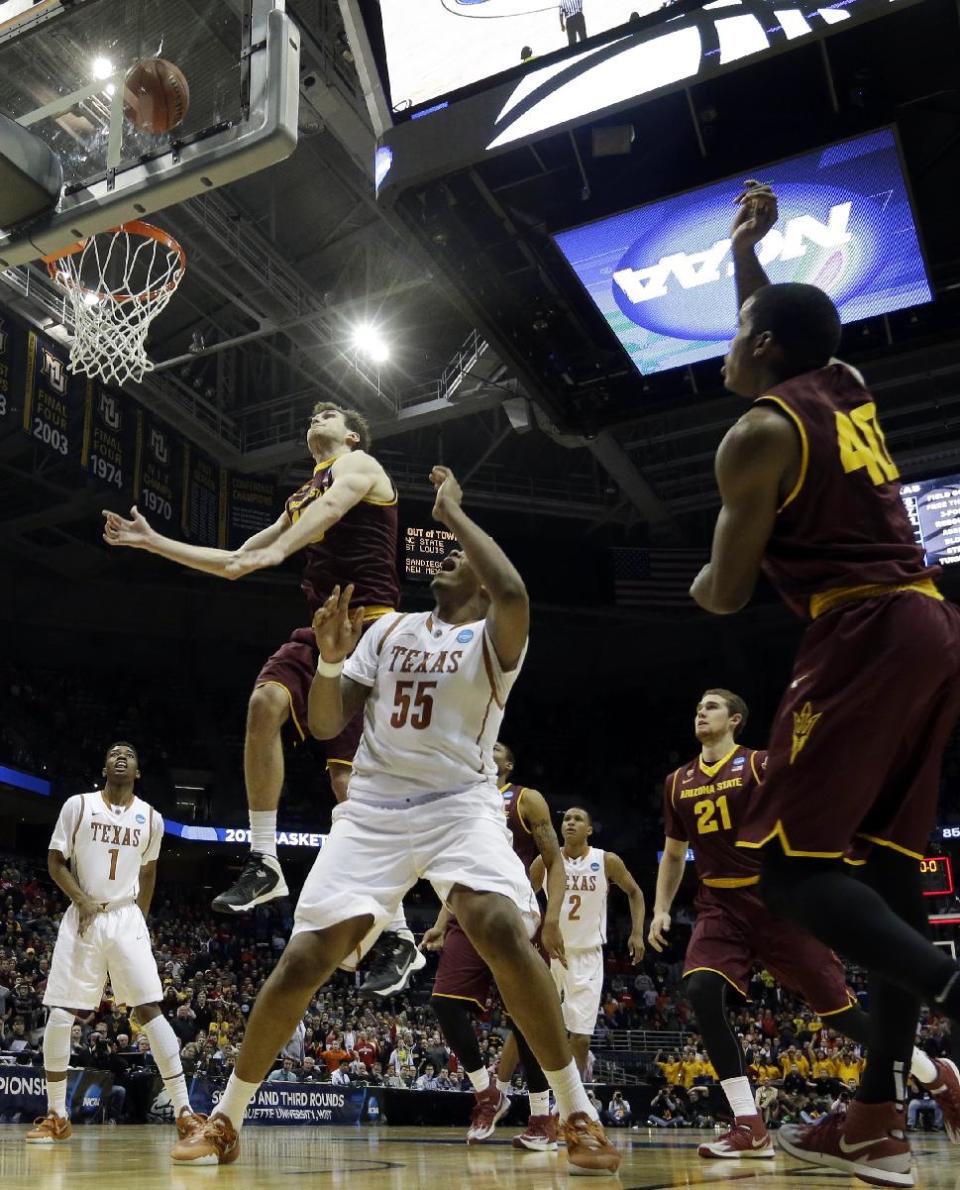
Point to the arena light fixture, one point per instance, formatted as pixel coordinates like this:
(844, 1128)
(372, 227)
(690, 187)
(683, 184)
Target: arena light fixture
(102, 68)
(369, 342)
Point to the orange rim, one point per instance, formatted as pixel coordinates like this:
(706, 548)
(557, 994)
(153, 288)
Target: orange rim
(134, 227)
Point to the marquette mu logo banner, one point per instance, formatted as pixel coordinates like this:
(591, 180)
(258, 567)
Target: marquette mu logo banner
(804, 721)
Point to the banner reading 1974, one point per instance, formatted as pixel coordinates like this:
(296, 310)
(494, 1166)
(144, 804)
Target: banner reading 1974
(109, 438)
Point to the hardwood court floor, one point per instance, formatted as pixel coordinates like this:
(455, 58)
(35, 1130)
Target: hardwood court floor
(383, 1158)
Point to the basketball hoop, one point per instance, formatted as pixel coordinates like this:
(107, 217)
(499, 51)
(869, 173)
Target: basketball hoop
(117, 281)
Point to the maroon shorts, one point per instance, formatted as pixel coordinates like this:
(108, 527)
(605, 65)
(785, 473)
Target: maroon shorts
(857, 743)
(735, 932)
(292, 666)
(462, 974)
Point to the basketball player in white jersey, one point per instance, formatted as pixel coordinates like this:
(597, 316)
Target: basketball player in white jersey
(423, 803)
(583, 924)
(103, 855)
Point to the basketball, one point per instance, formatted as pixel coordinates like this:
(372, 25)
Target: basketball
(156, 96)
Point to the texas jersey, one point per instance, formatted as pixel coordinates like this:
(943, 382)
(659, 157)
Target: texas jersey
(703, 804)
(523, 841)
(107, 845)
(436, 702)
(583, 918)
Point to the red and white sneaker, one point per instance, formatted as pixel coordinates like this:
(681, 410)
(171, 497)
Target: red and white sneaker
(490, 1108)
(946, 1090)
(539, 1136)
(747, 1140)
(869, 1141)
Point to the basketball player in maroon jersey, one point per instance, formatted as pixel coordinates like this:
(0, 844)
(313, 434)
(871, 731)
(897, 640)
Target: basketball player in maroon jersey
(811, 496)
(704, 801)
(464, 981)
(345, 520)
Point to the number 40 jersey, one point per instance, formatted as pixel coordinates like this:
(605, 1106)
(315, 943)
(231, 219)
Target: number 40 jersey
(703, 804)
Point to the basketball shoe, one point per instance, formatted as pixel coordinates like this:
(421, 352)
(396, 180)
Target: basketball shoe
(946, 1091)
(261, 880)
(588, 1150)
(490, 1107)
(214, 1143)
(49, 1129)
(748, 1140)
(392, 961)
(869, 1142)
(539, 1136)
(189, 1122)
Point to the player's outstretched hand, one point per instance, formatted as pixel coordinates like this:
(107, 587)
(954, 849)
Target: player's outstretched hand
(552, 941)
(135, 533)
(449, 493)
(756, 214)
(336, 628)
(87, 910)
(637, 948)
(659, 928)
(433, 938)
(247, 561)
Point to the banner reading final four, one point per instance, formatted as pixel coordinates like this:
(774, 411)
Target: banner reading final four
(13, 339)
(53, 399)
(109, 438)
(298, 1103)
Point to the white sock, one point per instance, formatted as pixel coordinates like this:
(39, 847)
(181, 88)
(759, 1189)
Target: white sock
(480, 1079)
(57, 1097)
(165, 1048)
(568, 1088)
(235, 1098)
(539, 1103)
(503, 1087)
(922, 1067)
(398, 925)
(739, 1096)
(263, 831)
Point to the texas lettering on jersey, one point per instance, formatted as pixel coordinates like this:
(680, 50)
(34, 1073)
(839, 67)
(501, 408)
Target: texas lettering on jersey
(114, 835)
(420, 661)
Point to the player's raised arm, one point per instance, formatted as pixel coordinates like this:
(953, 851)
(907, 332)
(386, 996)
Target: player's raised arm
(508, 620)
(756, 215)
(616, 871)
(137, 533)
(536, 818)
(334, 699)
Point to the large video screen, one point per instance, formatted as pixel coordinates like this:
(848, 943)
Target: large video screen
(434, 47)
(662, 275)
(934, 510)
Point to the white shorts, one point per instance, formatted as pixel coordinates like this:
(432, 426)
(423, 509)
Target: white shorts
(580, 985)
(116, 944)
(373, 856)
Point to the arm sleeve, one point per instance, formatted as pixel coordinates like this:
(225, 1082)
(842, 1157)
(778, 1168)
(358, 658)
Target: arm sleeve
(361, 665)
(156, 837)
(672, 823)
(62, 838)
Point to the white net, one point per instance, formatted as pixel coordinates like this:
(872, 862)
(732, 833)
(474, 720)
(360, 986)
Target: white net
(117, 283)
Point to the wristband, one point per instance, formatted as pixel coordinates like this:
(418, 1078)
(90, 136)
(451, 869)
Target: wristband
(329, 669)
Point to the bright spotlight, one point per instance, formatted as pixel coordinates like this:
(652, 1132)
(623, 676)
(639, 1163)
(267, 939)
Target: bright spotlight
(368, 340)
(102, 68)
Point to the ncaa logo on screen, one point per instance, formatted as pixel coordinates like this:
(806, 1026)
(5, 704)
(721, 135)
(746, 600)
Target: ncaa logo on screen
(677, 279)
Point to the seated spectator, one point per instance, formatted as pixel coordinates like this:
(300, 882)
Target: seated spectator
(311, 1072)
(17, 1041)
(284, 1073)
(340, 1077)
(618, 1112)
(665, 1110)
(427, 1081)
(923, 1112)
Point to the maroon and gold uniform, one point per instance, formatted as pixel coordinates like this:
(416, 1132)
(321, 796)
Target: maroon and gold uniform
(462, 974)
(361, 548)
(856, 746)
(734, 931)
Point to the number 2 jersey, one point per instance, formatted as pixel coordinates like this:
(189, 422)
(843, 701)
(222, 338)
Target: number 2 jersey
(434, 710)
(843, 528)
(703, 804)
(106, 845)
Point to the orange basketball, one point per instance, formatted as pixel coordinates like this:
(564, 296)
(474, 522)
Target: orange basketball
(156, 96)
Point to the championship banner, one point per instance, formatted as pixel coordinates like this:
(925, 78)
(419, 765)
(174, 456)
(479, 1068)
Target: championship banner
(251, 506)
(109, 438)
(202, 515)
(52, 403)
(298, 1103)
(157, 472)
(23, 1094)
(12, 380)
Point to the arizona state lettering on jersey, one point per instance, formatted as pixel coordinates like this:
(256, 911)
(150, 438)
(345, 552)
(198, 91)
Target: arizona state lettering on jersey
(361, 548)
(702, 805)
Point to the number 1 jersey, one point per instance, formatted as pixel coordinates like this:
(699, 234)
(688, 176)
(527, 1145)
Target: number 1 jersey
(703, 804)
(435, 706)
(107, 845)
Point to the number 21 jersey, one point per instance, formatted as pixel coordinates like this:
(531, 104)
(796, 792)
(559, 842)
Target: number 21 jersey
(107, 845)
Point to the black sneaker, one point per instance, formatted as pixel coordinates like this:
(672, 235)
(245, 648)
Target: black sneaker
(261, 880)
(392, 961)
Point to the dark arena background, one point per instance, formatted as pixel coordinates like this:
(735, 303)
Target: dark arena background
(504, 238)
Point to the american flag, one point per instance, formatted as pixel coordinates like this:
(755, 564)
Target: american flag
(655, 578)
